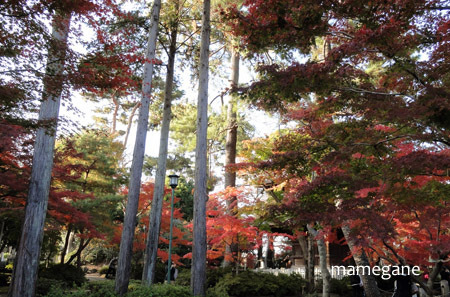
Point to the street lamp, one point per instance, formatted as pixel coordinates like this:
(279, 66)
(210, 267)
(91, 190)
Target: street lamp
(173, 182)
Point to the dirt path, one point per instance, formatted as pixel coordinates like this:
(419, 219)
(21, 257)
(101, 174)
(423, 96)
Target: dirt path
(94, 277)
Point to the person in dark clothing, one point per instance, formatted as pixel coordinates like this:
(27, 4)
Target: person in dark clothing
(445, 274)
(403, 286)
(111, 273)
(173, 272)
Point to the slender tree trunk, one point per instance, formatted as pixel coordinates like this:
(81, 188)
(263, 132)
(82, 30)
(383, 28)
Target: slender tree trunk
(360, 257)
(148, 275)
(198, 270)
(311, 262)
(326, 276)
(26, 268)
(116, 111)
(126, 243)
(2, 230)
(230, 148)
(66, 245)
(83, 244)
(130, 122)
(305, 245)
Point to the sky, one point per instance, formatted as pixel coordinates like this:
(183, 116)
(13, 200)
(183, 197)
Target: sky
(264, 123)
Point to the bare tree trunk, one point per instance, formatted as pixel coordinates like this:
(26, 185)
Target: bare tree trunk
(360, 257)
(116, 111)
(126, 243)
(304, 247)
(311, 262)
(230, 148)
(26, 266)
(326, 276)
(308, 257)
(66, 245)
(130, 122)
(198, 270)
(148, 275)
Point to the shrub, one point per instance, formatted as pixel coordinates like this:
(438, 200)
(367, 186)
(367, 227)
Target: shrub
(184, 277)
(69, 274)
(160, 272)
(250, 283)
(103, 269)
(45, 285)
(341, 287)
(160, 290)
(101, 289)
(97, 289)
(213, 275)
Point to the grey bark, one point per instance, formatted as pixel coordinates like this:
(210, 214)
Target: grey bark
(148, 275)
(311, 262)
(198, 270)
(66, 245)
(230, 146)
(304, 247)
(130, 122)
(115, 112)
(360, 257)
(306, 244)
(27, 261)
(322, 248)
(126, 243)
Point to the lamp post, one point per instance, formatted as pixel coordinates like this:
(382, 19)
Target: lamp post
(173, 182)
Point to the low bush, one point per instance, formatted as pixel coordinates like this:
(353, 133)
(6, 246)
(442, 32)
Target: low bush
(97, 289)
(69, 274)
(106, 289)
(214, 275)
(103, 269)
(160, 272)
(337, 286)
(184, 277)
(249, 283)
(341, 287)
(45, 285)
(100, 289)
(160, 290)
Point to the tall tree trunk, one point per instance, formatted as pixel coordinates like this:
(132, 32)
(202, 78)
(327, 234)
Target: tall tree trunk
(360, 257)
(304, 247)
(115, 112)
(66, 245)
(148, 275)
(126, 243)
(230, 148)
(311, 262)
(326, 276)
(308, 257)
(198, 270)
(26, 267)
(130, 122)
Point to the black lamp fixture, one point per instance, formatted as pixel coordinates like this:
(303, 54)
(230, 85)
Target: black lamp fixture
(173, 180)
